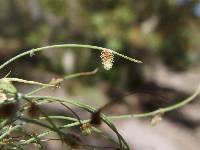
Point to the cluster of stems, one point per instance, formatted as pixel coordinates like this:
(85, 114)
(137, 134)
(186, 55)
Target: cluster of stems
(31, 103)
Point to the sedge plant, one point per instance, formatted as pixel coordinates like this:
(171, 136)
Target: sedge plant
(13, 104)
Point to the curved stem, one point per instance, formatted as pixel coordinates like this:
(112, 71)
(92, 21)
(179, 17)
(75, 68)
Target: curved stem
(48, 132)
(62, 79)
(161, 110)
(64, 46)
(87, 108)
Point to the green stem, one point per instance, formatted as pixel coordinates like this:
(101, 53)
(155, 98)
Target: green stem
(85, 107)
(60, 117)
(47, 118)
(161, 110)
(27, 82)
(3, 123)
(48, 132)
(9, 131)
(64, 46)
(62, 79)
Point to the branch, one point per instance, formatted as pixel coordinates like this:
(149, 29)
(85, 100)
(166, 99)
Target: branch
(31, 52)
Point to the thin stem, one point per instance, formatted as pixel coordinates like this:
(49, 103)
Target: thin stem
(91, 109)
(87, 108)
(161, 110)
(62, 79)
(27, 81)
(48, 132)
(9, 131)
(79, 119)
(47, 118)
(60, 117)
(64, 46)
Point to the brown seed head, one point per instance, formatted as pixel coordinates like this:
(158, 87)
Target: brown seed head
(107, 58)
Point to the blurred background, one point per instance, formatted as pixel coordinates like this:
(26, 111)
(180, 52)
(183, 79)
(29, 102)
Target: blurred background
(164, 34)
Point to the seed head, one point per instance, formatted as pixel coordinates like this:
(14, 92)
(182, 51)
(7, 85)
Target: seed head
(86, 128)
(107, 58)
